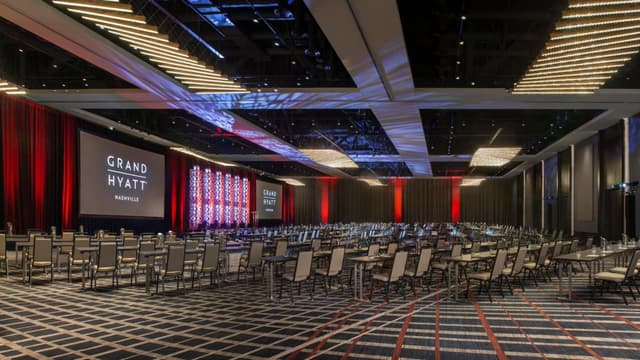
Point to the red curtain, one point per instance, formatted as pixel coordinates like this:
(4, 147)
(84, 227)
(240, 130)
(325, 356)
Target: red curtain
(288, 204)
(69, 136)
(33, 167)
(178, 168)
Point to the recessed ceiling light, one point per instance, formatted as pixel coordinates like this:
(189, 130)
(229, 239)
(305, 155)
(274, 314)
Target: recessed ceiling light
(276, 43)
(458, 62)
(463, 17)
(20, 50)
(255, 20)
(299, 84)
(293, 62)
(457, 77)
(461, 42)
(275, 90)
(473, 83)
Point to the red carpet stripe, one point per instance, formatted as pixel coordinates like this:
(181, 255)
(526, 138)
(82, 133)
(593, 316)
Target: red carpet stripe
(526, 336)
(338, 326)
(323, 327)
(487, 328)
(556, 324)
(603, 309)
(403, 332)
(355, 341)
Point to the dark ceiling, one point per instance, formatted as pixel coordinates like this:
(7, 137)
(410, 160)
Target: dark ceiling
(491, 47)
(457, 132)
(355, 132)
(500, 38)
(183, 128)
(31, 62)
(258, 43)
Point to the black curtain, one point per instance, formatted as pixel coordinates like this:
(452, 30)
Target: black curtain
(359, 202)
(493, 202)
(564, 191)
(427, 200)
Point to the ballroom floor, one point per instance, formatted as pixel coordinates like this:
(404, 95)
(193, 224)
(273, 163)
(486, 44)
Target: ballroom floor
(62, 321)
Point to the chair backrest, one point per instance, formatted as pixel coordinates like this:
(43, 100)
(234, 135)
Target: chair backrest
(632, 265)
(191, 245)
(337, 260)
(107, 255)
(560, 235)
(281, 247)
(498, 265)
(398, 267)
(303, 265)
(211, 256)
(557, 249)
(501, 244)
(255, 253)
(542, 255)
(175, 259)
(423, 262)
(42, 248)
(392, 247)
(374, 249)
(574, 246)
(146, 246)
(80, 241)
(475, 246)
(3, 244)
(316, 244)
(67, 235)
(441, 243)
(521, 256)
(130, 254)
(589, 243)
(456, 250)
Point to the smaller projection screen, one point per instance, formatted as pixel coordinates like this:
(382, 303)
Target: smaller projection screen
(120, 180)
(268, 201)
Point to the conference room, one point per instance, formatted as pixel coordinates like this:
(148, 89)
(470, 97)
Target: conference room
(319, 179)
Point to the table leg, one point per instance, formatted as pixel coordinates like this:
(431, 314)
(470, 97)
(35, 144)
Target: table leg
(449, 281)
(561, 292)
(270, 284)
(570, 284)
(356, 277)
(457, 275)
(83, 267)
(147, 276)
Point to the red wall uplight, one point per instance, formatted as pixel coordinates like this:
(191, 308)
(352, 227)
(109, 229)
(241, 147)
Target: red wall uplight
(455, 198)
(324, 200)
(398, 185)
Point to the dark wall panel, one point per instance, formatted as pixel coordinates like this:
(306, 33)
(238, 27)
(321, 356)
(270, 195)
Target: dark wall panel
(533, 196)
(427, 200)
(564, 191)
(587, 185)
(611, 172)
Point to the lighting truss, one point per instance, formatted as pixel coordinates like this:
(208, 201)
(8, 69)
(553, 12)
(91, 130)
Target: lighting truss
(494, 156)
(135, 30)
(593, 38)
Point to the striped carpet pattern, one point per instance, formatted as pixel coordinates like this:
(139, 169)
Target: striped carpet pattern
(59, 320)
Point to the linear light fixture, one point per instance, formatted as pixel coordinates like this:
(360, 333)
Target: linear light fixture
(292, 181)
(331, 158)
(9, 88)
(592, 40)
(493, 156)
(196, 155)
(372, 181)
(146, 39)
(471, 181)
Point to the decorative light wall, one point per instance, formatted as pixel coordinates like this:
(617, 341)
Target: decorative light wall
(218, 198)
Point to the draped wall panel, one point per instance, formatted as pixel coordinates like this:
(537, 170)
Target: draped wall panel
(359, 202)
(587, 180)
(492, 202)
(533, 196)
(427, 200)
(34, 140)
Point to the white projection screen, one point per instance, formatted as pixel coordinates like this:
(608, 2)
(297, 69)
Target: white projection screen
(268, 201)
(119, 180)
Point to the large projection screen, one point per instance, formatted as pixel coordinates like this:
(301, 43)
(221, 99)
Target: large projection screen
(268, 201)
(119, 180)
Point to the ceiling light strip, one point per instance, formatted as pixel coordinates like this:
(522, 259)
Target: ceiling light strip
(607, 20)
(9, 88)
(579, 49)
(571, 64)
(584, 13)
(554, 44)
(145, 38)
(595, 3)
(560, 35)
(574, 80)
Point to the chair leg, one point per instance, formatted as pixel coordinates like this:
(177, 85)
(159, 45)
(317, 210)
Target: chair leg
(489, 291)
(631, 291)
(622, 293)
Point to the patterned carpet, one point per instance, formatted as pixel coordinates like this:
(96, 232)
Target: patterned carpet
(59, 320)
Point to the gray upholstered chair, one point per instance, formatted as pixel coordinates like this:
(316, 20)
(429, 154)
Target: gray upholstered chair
(173, 267)
(332, 271)
(300, 274)
(391, 276)
(106, 262)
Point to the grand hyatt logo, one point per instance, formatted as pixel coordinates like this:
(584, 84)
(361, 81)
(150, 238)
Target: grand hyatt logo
(269, 199)
(126, 174)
